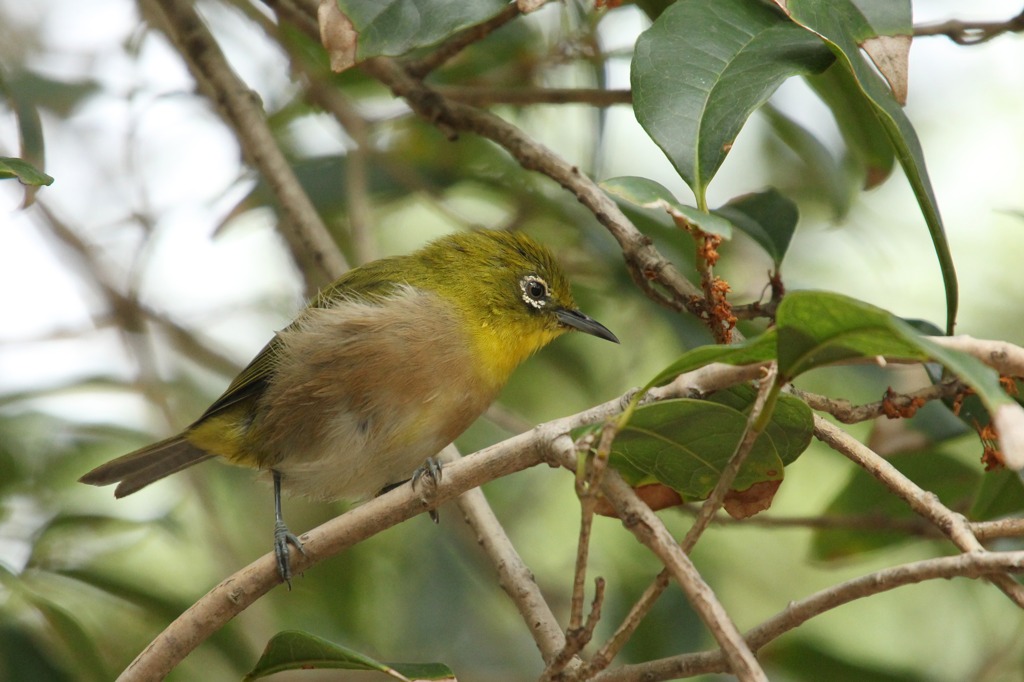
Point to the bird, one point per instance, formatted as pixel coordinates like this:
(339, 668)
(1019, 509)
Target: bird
(376, 375)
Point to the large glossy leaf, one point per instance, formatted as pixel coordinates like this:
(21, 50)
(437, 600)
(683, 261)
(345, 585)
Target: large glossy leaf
(818, 328)
(701, 69)
(843, 26)
(815, 329)
(294, 650)
(686, 443)
(790, 428)
(867, 141)
(767, 217)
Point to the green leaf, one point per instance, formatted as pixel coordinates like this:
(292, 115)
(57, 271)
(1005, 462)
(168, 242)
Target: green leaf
(686, 443)
(815, 329)
(886, 17)
(393, 27)
(818, 328)
(865, 498)
(887, 43)
(843, 27)
(652, 195)
(751, 351)
(791, 427)
(295, 650)
(23, 171)
(867, 141)
(701, 69)
(767, 217)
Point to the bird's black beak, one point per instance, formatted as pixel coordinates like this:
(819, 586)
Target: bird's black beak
(577, 320)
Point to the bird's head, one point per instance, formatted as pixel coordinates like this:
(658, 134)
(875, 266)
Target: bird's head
(509, 289)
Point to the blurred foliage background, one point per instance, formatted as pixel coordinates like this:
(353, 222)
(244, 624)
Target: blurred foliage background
(137, 284)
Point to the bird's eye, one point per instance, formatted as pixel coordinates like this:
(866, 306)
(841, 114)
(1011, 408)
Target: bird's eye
(535, 291)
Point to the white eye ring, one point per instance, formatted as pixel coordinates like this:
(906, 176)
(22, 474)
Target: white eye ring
(535, 291)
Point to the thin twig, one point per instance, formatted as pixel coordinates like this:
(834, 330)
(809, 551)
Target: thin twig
(590, 470)
(757, 420)
(848, 413)
(1002, 528)
(310, 242)
(983, 530)
(971, 32)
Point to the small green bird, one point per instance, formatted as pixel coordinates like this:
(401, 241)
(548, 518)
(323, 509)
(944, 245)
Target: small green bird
(386, 366)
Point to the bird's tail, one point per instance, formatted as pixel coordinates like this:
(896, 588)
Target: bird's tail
(138, 469)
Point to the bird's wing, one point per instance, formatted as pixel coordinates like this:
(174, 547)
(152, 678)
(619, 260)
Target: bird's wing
(366, 282)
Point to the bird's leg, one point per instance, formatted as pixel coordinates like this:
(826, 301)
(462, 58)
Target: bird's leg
(430, 475)
(282, 536)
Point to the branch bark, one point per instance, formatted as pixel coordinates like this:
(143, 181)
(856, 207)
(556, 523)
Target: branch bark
(971, 32)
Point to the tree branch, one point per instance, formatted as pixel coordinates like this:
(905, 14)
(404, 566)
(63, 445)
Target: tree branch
(971, 32)
(848, 413)
(239, 591)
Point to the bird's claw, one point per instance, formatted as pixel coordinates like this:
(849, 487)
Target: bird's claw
(429, 475)
(282, 537)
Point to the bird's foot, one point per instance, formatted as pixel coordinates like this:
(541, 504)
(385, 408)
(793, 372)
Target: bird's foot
(282, 537)
(425, 480)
